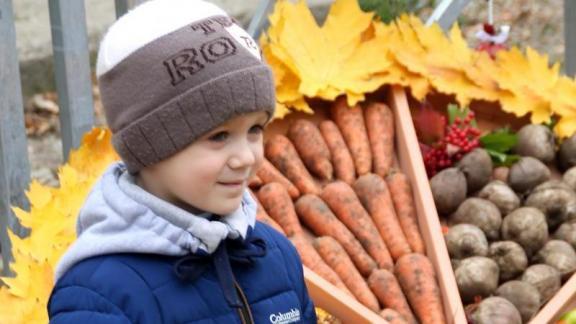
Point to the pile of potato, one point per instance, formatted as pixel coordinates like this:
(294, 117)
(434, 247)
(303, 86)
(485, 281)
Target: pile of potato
(511, 232)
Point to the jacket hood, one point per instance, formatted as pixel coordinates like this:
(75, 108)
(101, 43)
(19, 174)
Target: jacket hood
(118, 216)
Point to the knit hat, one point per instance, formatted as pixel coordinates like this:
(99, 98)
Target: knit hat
(170, 71)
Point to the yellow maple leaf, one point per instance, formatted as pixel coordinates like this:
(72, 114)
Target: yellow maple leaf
(340, 57)
(51, 221)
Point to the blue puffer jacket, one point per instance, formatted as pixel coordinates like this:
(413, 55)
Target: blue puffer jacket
(138, 259)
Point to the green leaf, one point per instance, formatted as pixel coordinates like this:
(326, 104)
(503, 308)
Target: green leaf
(502, 159)
(455, 111)
(500, 140)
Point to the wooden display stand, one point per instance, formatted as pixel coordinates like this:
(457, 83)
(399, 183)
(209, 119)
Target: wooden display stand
(490, 116)
(409, 160)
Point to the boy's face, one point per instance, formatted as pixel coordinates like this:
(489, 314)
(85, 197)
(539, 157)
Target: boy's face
(212, 173)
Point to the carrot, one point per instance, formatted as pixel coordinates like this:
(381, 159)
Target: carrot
(335, 257)
(375, 196)
(341, 198)
(380, 128)
(312, 148)
(268, 173)
(418, 281)
(350, 121)
(276, 201)
(387, 289)
(341, 158)
(262, 216)
(401, 192)
(319, 218)
(312, 260)
(254, 182)
(391, 316)
(281, 152)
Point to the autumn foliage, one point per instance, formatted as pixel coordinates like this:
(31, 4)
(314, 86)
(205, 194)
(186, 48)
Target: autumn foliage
(354, 54)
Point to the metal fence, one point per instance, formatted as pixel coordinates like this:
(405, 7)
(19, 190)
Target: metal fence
(73, 83)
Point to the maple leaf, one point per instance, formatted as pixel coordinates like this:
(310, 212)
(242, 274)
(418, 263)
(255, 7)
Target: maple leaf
(343, 56)
(51, 220)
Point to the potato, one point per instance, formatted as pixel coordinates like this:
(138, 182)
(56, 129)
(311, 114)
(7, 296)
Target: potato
(551, 197)
(477, 167)
(566, 232)
(496, 310)
(510, 257)
(501, 173)
(526, 226)
(501, 195)
(527, 173)
(479, 212)
(558, 254)
(536, 141)
(544, 278)
(465, 240)
(569, 178)
(567, 153)
(476, 276)
(523, 296)
(449, 190)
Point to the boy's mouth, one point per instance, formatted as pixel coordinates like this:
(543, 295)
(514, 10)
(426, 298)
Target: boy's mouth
(232, 183)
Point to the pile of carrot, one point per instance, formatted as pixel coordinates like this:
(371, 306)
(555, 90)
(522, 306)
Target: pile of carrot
(332, 189)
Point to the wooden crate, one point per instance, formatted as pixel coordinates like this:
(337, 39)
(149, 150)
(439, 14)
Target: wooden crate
(489, 117)
(409, 160)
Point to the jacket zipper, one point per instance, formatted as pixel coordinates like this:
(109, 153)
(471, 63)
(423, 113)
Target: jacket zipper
(244, 311)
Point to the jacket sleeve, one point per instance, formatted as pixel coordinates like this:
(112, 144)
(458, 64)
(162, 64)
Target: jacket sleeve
(77, 304)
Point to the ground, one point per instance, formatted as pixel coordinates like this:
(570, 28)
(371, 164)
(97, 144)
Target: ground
(535, 23)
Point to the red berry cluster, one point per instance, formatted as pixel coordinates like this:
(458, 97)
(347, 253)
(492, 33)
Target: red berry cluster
(460, 138)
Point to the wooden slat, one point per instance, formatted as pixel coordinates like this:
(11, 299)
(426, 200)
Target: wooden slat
(570, 37)
(14, 165)
(72, 68)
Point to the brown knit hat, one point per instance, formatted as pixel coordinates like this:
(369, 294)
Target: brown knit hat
(196, 72)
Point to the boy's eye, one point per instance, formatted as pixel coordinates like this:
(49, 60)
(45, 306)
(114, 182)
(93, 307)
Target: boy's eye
(219, 137)
(256, 129)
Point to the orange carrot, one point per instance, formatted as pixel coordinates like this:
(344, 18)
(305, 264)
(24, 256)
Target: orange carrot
(418, 281)
(312, 260)
(281, 152)
(254, 182)
(375, 196)
(276, 201)
(401, 192)
(320, 219)
(334, 255)
(341, 158)
(268, 173)
(350, 121)
(262, 216)
(342, 200)
(392, 317)
(311, 147)
(380, 127)
(386, 288)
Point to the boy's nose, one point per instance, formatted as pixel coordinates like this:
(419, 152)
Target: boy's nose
(243, 157)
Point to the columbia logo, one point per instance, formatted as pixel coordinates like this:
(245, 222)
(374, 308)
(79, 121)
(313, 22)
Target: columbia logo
(284, 318)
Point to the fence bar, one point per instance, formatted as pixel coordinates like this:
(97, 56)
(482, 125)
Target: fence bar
(260, 19)
(447, 12)
(122, 6)
(14, 165)
(570, 37)
(72, 67)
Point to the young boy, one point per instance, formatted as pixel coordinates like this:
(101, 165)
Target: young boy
(169, 235)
